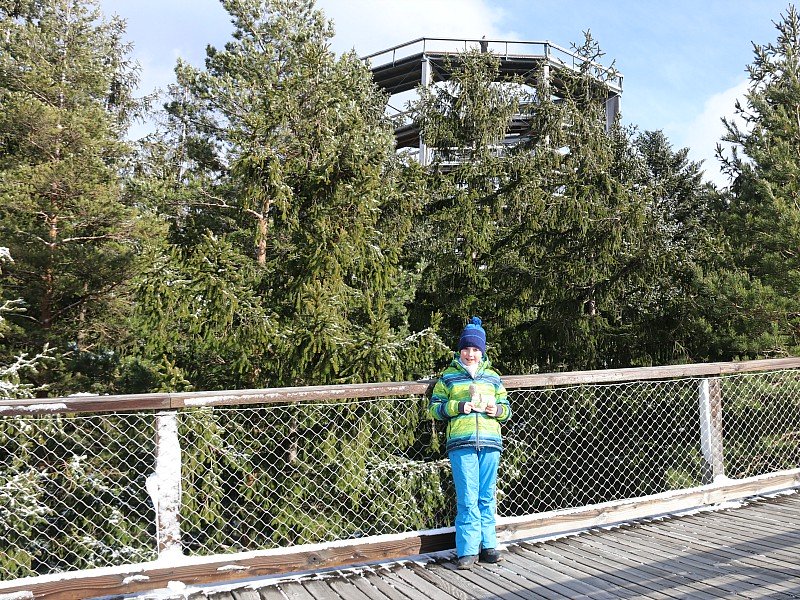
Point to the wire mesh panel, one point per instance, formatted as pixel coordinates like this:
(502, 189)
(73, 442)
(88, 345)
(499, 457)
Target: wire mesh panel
(761, 423)
(74, 489)
(580, 445)
(72, 492)
(303, 473)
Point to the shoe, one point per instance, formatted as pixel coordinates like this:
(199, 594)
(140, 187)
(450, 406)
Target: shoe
(490, 555)
(466, 562)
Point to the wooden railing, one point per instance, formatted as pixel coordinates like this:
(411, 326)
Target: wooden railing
(173, 566)
(176, 400)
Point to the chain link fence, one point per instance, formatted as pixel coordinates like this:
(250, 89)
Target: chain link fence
(78, 492)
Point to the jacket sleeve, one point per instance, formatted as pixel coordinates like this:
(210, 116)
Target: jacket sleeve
(503, 405)
(441, 407)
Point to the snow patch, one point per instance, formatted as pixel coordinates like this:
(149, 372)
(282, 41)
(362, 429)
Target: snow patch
(17, 596)
(35, 408)
(233, 568)
(134, 579)
(164, 486)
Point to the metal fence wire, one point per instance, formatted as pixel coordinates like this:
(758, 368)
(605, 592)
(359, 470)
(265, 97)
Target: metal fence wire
(74, 489)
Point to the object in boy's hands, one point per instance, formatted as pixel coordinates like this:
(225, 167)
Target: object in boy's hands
(476, 399)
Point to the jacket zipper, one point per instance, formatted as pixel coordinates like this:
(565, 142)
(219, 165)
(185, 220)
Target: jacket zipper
(477, 430)
(477, 425)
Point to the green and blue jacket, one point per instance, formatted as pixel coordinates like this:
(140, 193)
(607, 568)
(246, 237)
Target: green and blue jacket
(451, 393)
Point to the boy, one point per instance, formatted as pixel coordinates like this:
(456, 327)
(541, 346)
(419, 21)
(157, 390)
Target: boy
(471, 399)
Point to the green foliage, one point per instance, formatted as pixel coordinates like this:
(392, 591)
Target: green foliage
(285, 475)
(72, 494)
(587, 445)
(285, 156)
(545, 238)
(762, 215)
(269, 235)
(66, 97)
(197, 309)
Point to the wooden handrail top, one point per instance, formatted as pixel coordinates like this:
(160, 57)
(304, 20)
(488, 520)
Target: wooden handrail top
(171, 401)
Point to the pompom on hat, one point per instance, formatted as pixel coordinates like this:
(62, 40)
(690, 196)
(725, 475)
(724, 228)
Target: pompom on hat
(473, 335)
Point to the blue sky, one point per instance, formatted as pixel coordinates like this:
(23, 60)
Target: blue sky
(683, 61)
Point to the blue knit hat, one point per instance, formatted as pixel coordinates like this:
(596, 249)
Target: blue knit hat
(473, 335)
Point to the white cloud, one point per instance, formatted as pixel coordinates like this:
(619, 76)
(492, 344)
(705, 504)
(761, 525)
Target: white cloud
(702, 134)
(373, 25)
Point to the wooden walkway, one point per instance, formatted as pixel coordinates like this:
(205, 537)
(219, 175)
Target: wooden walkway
(747, 551)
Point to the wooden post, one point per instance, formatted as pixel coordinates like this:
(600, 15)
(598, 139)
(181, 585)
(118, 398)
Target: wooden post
(164, 485)
(710, 397)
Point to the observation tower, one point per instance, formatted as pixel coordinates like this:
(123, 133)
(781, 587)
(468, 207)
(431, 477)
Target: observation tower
(425, 61)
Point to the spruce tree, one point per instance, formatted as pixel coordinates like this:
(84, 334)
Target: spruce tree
(282, 267)
(762, 217)
(540, 237)
(672, 312)
(288, 154)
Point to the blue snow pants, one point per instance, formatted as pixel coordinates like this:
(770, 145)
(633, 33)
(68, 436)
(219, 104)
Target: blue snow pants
(475, 478)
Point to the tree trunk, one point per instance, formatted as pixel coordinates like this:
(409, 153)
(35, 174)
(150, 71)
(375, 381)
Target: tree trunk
(261, 240)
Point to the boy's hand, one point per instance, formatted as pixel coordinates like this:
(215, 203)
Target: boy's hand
(491, 410)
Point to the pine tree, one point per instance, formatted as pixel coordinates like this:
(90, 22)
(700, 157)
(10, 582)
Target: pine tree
(65, 92)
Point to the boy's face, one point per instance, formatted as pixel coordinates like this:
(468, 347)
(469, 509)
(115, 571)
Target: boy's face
(470, 355)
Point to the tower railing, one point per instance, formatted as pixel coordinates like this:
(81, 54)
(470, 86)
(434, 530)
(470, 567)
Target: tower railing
(505, 49)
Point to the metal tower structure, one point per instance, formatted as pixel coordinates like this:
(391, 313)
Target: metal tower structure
(424, 61)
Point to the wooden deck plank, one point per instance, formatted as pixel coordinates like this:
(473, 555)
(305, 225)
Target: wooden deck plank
(365, 585)
(320, 590)
(603, 589)
(730, 580)
(543, 580)
(559, 575)
(245, 595)
(383, 585)
(450, 577)
(719, 553)
(405, 587)
(640, 578)
(294, 590)
(727, 552)
(602, 579)
(744, 541)
(693, 565)
(739, 523)
(487, 581)
(518, 584)
(271, 592)
(347, 588)
(601, 572)
(783, 512)
(776, 546)
(431, 591)
(610, 562)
